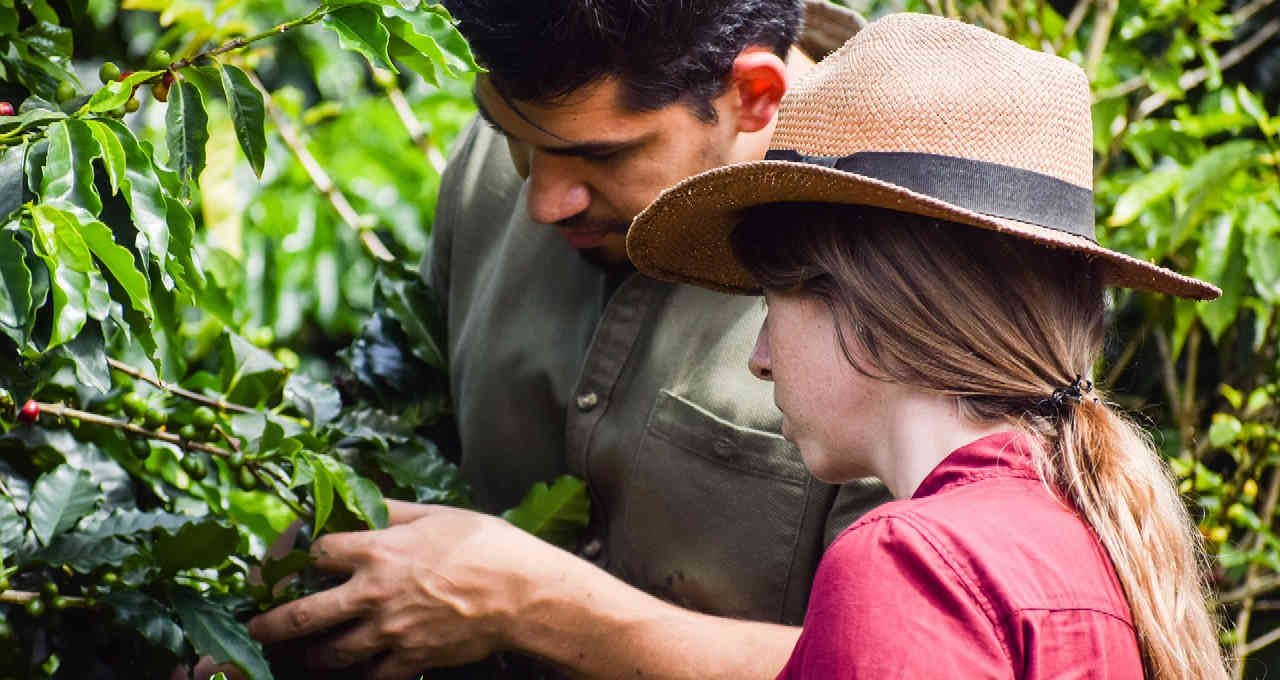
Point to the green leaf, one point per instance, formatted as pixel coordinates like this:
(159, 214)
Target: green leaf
(555, 514)
(247, 115)
(1206, 177)
(183, 266)
(1262, 235)
(135, 610)
(1153, 186)
(68, 169)
(116, 93)
(187, 134)
(112, 153)
(249, 375)
(358, 494)
(84, 554)
(215, 633)
(119, 261)
(202, 544)
(130, 522)
(293, 562)
(13, 162)
(1220, 259)
(79, 291)
(1224, 431)
(420, 52)
(12, 527)
(59, 499)
(359, 28)
(413, 304)
(88, 352)
(420, 467)
(12, 126)
(143, 192)
(15, 288)
(318, 402)
(322, 494)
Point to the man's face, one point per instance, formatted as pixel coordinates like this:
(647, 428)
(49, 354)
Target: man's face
(593, 165)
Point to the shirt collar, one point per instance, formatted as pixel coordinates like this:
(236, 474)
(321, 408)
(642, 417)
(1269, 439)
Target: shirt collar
(1004, 454)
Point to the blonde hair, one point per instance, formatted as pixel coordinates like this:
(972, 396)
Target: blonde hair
(1000, 323)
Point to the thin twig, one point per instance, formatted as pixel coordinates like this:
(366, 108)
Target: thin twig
(1194, 77)
(174, 389)
(1249, 590)
(417, 133)
(1122, 362)
(321, 179)
(1167, 377)
(25, 596)
(1073, 23)
(1242, 14)
(61, 411)
(1101, 34)
(235, 445)
(1190, 350)
(237, 43)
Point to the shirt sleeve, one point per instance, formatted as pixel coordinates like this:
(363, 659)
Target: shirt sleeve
(887, 604)
(434, 268)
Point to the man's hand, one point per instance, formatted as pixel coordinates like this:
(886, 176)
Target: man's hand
(432, 590)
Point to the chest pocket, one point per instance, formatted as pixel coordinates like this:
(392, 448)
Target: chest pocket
(713, 515)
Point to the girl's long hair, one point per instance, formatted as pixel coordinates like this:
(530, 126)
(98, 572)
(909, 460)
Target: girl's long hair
(999, 323)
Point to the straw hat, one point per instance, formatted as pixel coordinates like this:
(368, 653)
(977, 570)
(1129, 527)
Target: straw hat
(918, 114)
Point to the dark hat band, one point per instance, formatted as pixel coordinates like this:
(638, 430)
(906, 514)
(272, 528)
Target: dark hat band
(982, 187)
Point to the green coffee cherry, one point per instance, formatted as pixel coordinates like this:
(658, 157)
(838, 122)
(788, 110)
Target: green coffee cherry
(35, 607)
(203, 417)
(236, 459)
(159, 59)
(134, 404)
(195, 467)
(246, 479)
(132, 105)
(189, 432)
(141, 448)
(49, 589)
(156, 417)
(109, 578)
(66, 91)
(108, 72)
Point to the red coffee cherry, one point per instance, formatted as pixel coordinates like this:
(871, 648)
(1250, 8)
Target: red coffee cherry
(30, 412)
(6, 109)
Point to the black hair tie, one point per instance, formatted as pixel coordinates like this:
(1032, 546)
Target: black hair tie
(1057, 403)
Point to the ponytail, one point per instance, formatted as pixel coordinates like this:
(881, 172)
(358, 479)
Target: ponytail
(1107, 467)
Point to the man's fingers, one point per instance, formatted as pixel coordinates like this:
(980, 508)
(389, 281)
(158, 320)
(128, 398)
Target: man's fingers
(401, 512)
(358, 644)
(341, 552)
(310, 614)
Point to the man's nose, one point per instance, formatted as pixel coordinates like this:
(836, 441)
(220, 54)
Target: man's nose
(555, 192)
(760, 362)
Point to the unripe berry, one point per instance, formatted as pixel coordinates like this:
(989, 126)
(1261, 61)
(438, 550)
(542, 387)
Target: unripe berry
(203, 417)
(246, 479)
(159, 59)
(160, 91)
(132, 105)
(134, 404)
(30, 412)
(66, 91)
(195, 467)
(141, 448)
(108, 72)
(189, 432)
(35, 607)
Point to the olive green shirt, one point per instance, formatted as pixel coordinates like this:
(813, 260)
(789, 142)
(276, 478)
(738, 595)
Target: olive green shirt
(640, 388)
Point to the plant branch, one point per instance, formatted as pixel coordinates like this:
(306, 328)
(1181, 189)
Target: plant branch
(417, 133)
(1167, 378)
(221, 404)
(1242, 14)
(1122, 362)
(25, 596)
(1194, 77)
(372, 244)
(1073, 23)
(1101, 34)
(237, 43)
(60, 411)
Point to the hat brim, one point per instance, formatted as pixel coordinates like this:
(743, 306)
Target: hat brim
(684, 235)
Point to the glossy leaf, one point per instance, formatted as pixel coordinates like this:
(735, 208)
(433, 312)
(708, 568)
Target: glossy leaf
(555, 513)
(206, 543)
(113, 157)
(321, 493)
(247, 115)
(13, 161)
(418, 466)
(59, 499)
(15, 287)
(249, 375)
(68, 170)
(214, 633)
(1220, 259)
(88, 352)
(12, 526)
(84, 554)
(143, 192)
(317, 402)
(134, 610)
(187, 133)
(359, 28)
(114, 94)
(1262, 233)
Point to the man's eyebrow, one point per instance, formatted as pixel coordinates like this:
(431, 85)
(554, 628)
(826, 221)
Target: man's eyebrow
(578, 149)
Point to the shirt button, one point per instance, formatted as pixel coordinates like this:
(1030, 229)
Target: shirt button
(592, 549)
(587, 401)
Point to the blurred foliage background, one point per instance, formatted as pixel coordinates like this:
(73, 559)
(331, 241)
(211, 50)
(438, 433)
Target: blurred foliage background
(312, 261)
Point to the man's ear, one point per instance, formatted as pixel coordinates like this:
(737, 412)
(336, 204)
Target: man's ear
(757, 82)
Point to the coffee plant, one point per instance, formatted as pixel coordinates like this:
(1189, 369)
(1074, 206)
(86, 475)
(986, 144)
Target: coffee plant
(172, 397)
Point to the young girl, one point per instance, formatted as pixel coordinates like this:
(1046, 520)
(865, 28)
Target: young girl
(923, 234)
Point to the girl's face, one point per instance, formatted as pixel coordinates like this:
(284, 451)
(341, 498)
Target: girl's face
(829, 409)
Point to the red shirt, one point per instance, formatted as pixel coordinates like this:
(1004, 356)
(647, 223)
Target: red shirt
(983, 573)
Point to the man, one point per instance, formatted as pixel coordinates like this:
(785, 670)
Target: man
(562, 359)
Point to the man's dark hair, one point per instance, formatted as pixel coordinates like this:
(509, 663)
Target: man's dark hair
(662, 51)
